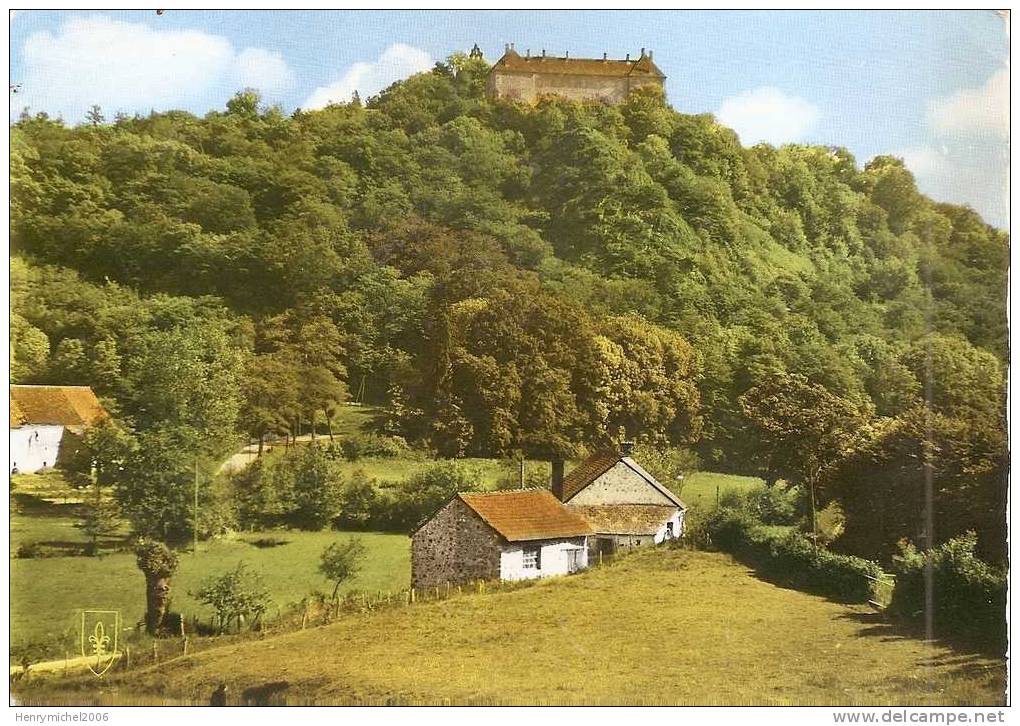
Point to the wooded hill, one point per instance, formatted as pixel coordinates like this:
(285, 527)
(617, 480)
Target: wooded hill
(508, 278)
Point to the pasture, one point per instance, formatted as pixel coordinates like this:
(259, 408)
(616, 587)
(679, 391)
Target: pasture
(660, 626)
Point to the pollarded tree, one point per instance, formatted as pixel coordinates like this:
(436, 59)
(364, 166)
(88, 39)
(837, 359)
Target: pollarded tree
(158, 563)
(802, 430)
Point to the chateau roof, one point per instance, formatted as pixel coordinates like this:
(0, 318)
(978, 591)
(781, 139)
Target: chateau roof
(73, 406)
(626, 518)
(527, 514)
(582, 475)
(514, 62)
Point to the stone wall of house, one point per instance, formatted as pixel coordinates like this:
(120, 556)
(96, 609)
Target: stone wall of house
(620, 485)
(455, 546)
(527, 87)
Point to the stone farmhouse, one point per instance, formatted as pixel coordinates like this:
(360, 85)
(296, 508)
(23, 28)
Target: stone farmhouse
(526, 78)
(509, 535)
(46, 421)
(606, 503)
(625, 505)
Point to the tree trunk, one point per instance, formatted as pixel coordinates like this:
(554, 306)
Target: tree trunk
(329, 424)
(157, 597)
(262, 439)
(814, 514)
(313, 425)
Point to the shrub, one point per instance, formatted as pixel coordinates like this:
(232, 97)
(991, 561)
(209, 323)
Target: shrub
(791, 559)
(237, 596)
(357, 446)
(774, 504)
(425, 491)
(360, 504)
(969, 594)
(317, 490)
(303, 489)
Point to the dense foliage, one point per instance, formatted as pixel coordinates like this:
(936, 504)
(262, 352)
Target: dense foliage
(791, 559)
(505, 279)
(969, 596)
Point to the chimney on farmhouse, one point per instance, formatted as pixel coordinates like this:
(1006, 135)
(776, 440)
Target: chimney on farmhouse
(556, 481)
(626, 448)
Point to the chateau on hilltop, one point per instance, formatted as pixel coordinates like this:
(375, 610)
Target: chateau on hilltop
(526, 77)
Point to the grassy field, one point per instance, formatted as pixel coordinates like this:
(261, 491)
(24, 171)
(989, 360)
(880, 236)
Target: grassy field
(46, 593)
(656, 627)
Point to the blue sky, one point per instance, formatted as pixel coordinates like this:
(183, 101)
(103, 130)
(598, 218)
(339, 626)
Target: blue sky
(931, 87)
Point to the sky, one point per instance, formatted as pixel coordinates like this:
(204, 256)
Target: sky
(931, 87)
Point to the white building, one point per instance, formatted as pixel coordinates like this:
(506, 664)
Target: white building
(45, 421)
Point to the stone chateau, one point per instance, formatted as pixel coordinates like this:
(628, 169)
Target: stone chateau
(526, 77)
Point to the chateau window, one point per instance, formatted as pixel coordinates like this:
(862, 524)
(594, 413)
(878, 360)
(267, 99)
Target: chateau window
(533, 558)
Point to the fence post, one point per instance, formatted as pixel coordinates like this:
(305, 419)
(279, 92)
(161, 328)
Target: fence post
(185, 645)
(155, 653)
(127, 657)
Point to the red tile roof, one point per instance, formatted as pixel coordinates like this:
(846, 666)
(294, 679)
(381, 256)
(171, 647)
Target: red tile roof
(73, 406)
(527, 514)
(514, 61)
(626, 518)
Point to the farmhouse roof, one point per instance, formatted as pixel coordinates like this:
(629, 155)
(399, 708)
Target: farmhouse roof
(72, 406)
(582, 475)
(514, 62)
(527, 514)
(626, 518)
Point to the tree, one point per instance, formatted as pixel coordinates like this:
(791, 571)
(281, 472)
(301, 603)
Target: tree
(340, 562)
(100, 518)
(237, 596)
(802, 430)
(158, 563)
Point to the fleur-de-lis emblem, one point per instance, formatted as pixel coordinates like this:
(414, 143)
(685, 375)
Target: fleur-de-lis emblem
(99, 640)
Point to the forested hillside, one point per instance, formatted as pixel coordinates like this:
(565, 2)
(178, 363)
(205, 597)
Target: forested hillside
(514, 279)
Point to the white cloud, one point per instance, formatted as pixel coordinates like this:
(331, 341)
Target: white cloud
(262, 69)
(974, 110)
(973, 173)
(768, 114)
(396, 62)
(131, 67)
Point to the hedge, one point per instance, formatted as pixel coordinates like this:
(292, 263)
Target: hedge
(969, 594)
(791, 559)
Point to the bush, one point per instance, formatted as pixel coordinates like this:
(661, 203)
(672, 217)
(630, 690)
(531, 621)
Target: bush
(303, 489)
(774, 504)
(791, 559)
(360, 504)
(237, 596)
(29, 550)
(425, 491)
(357, 446)
(969, 594)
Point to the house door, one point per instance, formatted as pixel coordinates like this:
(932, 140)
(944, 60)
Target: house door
(574, 560)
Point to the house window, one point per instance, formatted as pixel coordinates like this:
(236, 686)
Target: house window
(532, 558)
(669, 529)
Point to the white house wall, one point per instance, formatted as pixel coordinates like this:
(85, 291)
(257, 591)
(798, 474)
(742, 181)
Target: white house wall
(554, 558)
(34, 447)
(678, 528)
(620, 485)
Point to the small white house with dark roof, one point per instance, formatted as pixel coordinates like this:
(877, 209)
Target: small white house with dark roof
(625, 505)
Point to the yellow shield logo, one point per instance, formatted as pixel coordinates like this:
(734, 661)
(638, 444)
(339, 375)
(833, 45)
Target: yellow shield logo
(100, 630)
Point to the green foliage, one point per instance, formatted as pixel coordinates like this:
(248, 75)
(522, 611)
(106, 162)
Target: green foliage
(237, 596)
(424, 492)
(504, 278)
(356, 446)
(969, 596)
(303, 488)
(341, 561)
(792, 559)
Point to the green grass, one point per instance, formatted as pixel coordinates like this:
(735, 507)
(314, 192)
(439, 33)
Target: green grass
(657, 627)
(48, 592)
(701, 488)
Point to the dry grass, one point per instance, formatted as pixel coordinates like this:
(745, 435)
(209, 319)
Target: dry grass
(659, 626)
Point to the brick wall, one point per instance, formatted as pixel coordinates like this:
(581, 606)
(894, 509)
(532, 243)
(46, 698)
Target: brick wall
(454, 546)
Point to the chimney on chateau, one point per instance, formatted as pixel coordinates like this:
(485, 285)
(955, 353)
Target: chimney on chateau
(642, 52)
(567, 56)
(649, 55)
(556, 481)
(605, 56)
(626, 448)
(512, 47)
(543, 52)
(628, 56)
(506, 47)
(528, 53)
